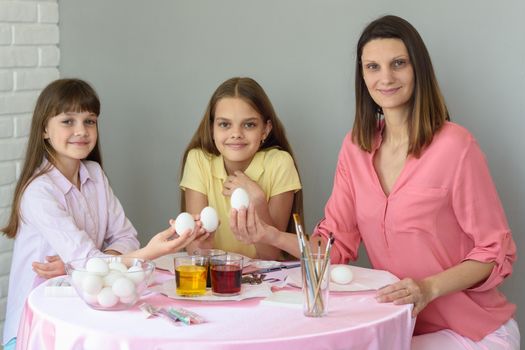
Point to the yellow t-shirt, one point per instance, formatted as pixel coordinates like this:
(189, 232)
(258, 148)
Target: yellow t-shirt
(272, 169)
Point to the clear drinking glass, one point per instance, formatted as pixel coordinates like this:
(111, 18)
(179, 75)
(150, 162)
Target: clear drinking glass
(190, 275)
(210, 254)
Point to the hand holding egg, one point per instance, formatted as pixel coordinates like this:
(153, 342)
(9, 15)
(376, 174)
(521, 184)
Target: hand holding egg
(209, 219)
(184, 224)
(239, 199)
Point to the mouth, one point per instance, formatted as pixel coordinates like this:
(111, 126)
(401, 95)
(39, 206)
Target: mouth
(389, 92)
(235, 145)
(79, 143)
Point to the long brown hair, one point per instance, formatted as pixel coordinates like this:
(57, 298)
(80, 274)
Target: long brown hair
(252, 93)
(428, 110)
(60, 96)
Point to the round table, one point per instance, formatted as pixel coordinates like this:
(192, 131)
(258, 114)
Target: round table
(354, 321)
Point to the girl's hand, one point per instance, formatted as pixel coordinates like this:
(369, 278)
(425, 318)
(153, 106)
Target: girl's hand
(54, 267)
(167, 242)
(248, 227)
(407, 291)
(239, 179)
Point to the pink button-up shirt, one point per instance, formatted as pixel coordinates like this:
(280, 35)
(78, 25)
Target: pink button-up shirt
(442, 210)
(59, 219)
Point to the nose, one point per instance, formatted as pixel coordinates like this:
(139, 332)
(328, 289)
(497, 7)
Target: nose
(236, 132)
(387, 75)
(80, 130)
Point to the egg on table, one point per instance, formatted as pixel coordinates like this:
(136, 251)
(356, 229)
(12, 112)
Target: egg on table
(341, 274)
(239, 198)
(183, 223)
(209, 219)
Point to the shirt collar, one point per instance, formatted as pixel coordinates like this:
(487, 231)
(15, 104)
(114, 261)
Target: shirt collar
(61, 181)
(254, 170)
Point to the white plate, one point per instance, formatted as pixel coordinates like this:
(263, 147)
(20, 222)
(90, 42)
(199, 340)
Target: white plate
(248, 291)
(364, 279)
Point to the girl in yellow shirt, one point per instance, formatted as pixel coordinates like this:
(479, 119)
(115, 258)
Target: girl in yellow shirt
(240, 142)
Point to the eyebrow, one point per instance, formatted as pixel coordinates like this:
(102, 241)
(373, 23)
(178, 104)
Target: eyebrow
(393, 59)
(244, 120)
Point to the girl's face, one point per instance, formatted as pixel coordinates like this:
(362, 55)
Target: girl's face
(72, 135)
(238, 131)
(388, 73)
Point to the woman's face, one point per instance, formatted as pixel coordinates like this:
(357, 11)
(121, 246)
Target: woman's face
(388, 73)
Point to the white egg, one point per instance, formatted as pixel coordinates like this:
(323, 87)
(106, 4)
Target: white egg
(111, 277)
(136, 274)
(123, 287)
(92, 284)
(183, 223)
(97, 265)
(239, 198)
(90, 298)
(209, 219)
(341, 274)
(118, 266)
(107, 298)
(129, 299)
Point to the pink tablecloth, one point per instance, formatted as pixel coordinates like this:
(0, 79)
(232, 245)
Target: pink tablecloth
(354, 321)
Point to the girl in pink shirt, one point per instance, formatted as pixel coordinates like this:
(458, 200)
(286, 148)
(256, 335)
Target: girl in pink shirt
(63, 207)
(415, 188)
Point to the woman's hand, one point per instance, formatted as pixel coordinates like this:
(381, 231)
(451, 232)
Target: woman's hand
(248, 227)
(407, 291)
(54, 267)
(240, 179)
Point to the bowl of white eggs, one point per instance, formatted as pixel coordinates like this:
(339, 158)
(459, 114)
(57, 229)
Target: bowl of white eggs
(110, 283)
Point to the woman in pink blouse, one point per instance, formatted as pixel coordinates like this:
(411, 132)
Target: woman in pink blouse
(415, 188)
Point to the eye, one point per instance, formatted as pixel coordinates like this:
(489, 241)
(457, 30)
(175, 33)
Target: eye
(371, 66)
(223, 124)
(250, 125)
(91, 122)
(67, 121)
(399, 63)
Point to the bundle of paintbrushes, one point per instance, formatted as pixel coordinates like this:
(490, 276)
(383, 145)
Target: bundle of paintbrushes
(315, 272)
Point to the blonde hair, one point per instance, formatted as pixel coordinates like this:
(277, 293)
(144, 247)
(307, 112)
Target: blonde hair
(63, 95)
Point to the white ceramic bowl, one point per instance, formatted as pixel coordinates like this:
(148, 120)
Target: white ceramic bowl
(110, 283)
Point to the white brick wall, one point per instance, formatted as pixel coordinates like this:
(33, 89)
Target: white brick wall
(29, 59)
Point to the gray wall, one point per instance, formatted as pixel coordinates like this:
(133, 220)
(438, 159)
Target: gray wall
(156, 63)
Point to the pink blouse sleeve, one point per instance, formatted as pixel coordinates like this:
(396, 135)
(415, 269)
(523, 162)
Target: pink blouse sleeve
(340, 214)
(479, 212)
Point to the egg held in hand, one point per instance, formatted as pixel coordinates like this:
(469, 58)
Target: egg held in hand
(239, 198)
(183, 223)
(209, 219)
(341, 274)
